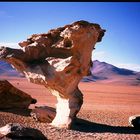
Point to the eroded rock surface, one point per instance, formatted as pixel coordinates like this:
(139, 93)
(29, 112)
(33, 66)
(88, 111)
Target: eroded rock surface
(58, 60)
(11, 97)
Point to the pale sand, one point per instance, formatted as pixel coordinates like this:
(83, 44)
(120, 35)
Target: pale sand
(104, 114)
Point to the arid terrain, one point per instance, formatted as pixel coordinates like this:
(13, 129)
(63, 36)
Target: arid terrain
(104, 114)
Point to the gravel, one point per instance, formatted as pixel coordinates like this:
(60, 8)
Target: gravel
(90, 125)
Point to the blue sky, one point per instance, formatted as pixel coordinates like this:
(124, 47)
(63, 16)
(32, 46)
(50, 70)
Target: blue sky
(120, 45)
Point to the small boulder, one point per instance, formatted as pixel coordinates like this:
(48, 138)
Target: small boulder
(17, 131)
(11, 97)
(43, 114)
(134, 121)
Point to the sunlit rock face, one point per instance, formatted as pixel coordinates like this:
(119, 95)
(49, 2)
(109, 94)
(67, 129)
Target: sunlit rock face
(58, 60)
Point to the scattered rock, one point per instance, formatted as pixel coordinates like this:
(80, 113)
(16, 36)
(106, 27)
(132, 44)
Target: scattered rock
(135, 121)
(17, 131)
(11, 97)
(44, 114)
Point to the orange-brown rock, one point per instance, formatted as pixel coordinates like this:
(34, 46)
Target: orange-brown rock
(58, 60)
(11, 97)
(44, 114)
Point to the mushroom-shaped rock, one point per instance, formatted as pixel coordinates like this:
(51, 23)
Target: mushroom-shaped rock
(17, 131)
(11, 97)
(134, 121)
(58, 60)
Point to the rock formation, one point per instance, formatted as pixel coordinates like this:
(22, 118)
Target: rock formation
(17, 131)
(58, 60)
(11, 97)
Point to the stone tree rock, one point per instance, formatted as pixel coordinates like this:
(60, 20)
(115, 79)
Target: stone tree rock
(11, 97)
(58, 60)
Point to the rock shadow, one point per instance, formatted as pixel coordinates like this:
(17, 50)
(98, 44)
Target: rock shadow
(92, 127)
(17, 111)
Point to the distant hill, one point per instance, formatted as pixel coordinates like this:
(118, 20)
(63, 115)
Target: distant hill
(7, 70)
(104, 72)
(100, 72)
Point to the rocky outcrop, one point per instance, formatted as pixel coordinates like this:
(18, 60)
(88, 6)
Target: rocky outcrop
(43, 58)
(11, 97)
(17, 131)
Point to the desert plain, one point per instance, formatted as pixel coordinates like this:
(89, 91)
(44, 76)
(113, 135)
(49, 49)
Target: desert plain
(103, 116)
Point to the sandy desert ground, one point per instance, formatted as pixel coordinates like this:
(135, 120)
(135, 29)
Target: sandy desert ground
(104, 114)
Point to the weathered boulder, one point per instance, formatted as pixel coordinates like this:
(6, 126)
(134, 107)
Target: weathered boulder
(58, 60)
(44, 114)
(11, 97)
(17, 131)
(134, 121)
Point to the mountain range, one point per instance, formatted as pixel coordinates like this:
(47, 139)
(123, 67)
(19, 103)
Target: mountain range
(100, 72)
(7, 70)
(107, 73)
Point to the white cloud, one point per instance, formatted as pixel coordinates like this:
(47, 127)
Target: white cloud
(101, 56)
(135, 67)
(98, 55)
(9, 44)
